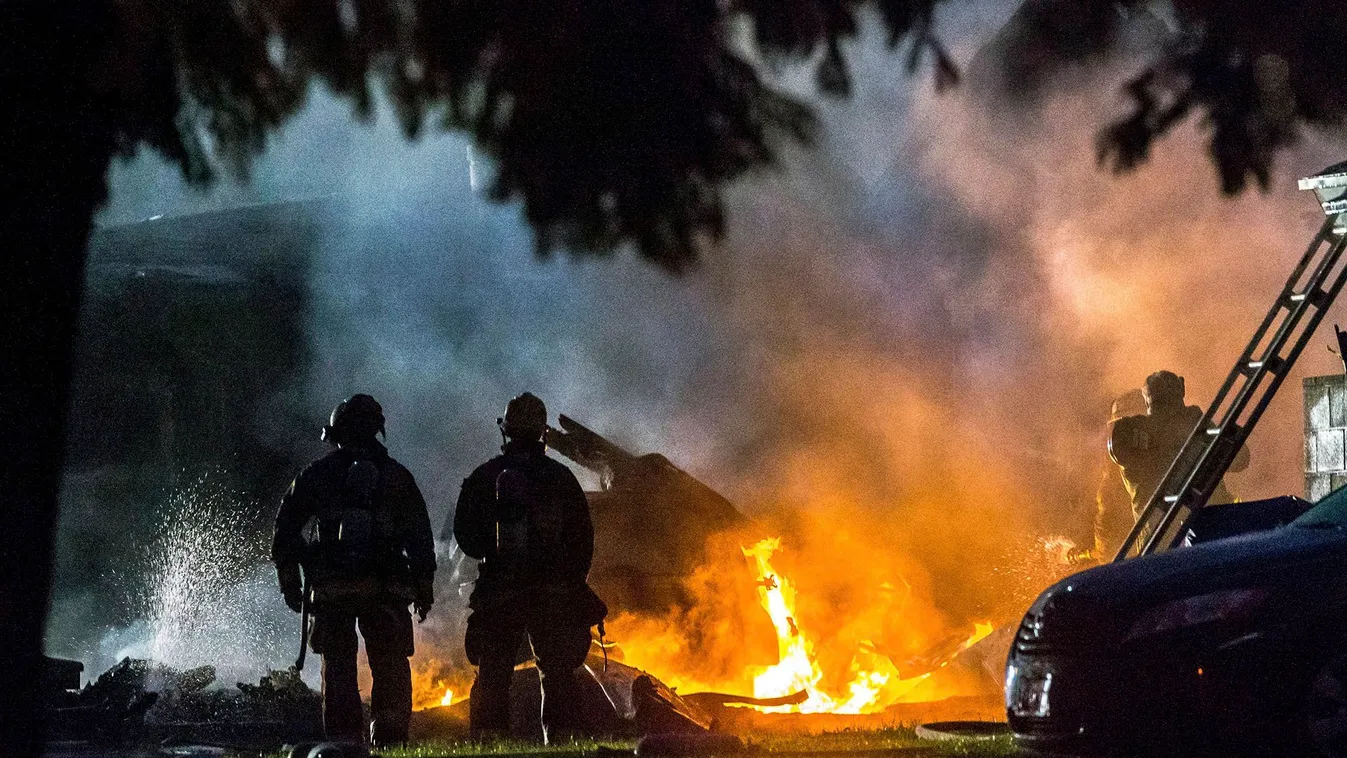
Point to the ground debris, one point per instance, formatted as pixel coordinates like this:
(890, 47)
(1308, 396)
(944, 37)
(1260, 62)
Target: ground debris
(140, 702)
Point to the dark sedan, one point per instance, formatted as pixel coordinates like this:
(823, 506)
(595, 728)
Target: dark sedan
(1237, 645)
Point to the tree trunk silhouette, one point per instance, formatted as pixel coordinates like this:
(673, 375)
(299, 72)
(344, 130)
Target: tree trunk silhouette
(54, 152)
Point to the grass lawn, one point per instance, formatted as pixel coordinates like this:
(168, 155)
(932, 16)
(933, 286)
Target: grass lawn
(896, 741)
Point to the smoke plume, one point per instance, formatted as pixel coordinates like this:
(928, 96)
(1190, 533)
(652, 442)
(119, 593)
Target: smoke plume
(901, 359)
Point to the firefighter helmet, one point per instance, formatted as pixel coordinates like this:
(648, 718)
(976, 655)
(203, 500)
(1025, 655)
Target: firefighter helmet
(1164, 389)
(525, 418)
(358, 417)
(1130, 403)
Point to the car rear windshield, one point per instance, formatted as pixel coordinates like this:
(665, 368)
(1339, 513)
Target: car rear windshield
(1328, 513)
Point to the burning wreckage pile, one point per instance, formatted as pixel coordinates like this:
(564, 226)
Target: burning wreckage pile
(702, 615)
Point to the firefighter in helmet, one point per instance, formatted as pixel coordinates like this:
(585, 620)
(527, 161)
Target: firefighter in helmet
(524, 516)
(1144, 446)
(353, 542)
(1114, 518)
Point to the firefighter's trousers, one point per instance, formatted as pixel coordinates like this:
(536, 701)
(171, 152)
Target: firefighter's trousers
(493, 642)
(387, 630)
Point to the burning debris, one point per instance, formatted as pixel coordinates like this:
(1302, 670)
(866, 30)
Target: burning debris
(704, 617)
(875, 683)
(652, 521)
(711, 611)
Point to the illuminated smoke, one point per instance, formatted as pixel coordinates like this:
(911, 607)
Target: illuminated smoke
(901, 360)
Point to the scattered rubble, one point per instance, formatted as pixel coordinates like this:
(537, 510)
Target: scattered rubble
(140, 702)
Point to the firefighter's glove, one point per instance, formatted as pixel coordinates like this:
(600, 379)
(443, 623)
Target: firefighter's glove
(425, 597)
(291, 586)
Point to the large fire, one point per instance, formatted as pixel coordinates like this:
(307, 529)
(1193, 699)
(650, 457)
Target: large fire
(855, 673)
(875, 681)
(434, 684)
(868, 682)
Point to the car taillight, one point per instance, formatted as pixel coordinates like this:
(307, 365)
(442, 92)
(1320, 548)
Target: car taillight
(1223, 605)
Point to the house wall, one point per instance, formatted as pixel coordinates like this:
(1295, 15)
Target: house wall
(1325, 434)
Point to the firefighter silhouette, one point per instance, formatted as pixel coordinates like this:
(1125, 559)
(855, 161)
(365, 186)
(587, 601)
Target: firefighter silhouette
(524, 516)
(1113, 517)
(1144, 446)
(353, 543)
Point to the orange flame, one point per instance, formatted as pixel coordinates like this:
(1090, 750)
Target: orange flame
(433, 683)
(875, 681)
(856, 677)
(795, 669)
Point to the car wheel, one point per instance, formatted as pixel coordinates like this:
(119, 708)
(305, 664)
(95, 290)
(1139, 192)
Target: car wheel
(1326, 709)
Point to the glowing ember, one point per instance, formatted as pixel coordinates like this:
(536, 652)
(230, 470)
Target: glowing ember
(875, 682)
(448, 698)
